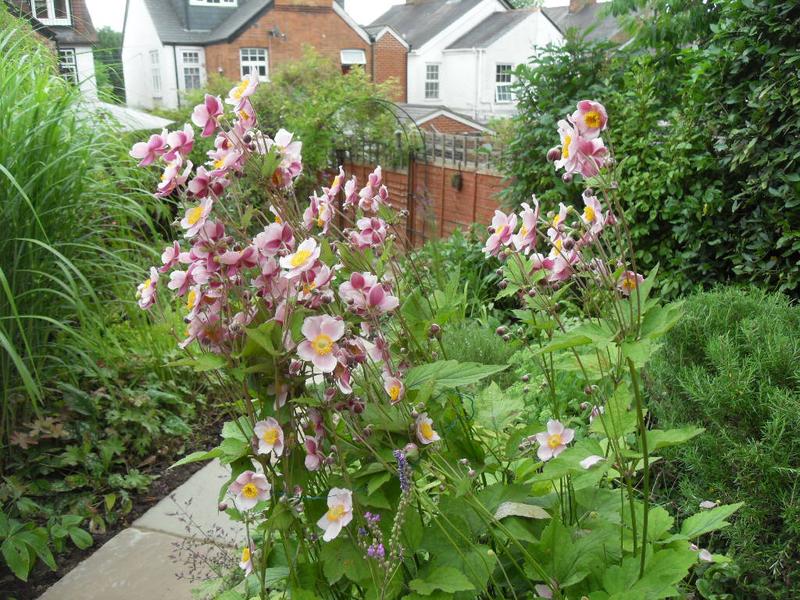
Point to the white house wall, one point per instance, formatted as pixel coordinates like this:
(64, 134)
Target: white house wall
(84, 63)
(140, 39)
(432, 52)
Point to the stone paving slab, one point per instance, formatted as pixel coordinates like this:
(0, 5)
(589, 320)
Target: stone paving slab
(133, 565)
(196, 498)
(138, 563)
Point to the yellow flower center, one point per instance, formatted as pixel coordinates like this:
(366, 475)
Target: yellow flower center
(523, 231)
(426, 430)
(588, 213)
(300, 257)
(592, 119)
(191, 299)
(629, 283)
(323, 344)
(278, 219)
(309, 287)
(194, 214)
(336, 512)
(554, 440)
(559, 243)
(501, 230)
(245, 555)
(250, 490)
(240, 89)
(148, 283)
(556, 220)
(336, 181)
(565, 147)
(270, 436)
(243, 115)
(394, 392)
(218, 164)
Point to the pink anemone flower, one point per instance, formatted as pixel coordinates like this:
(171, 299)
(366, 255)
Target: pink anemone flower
(628, 282)
(205, 183)
(275, 238)
(146, 292)
(339, 514)
(270, 436)
(207, 114)
(525, 239)
(172, 176)
(502, 229)
(249, 489)
(425, 432)
(314, 456)
(553, 441)
(243, 90)
(321, 333)
(351, 193)
(170, 257)
(196, 217)
(246, 562)
(180, 143)
(591, 118)
(394, 387)
(303, 259)
(147, 152)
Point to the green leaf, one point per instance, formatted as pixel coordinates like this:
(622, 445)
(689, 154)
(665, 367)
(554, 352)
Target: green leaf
(450, 373)
(708, 520)
(495, 408)
(658, 438)
(660, 319)
(201, 363)
(198, 456)
(17, 558)
(262, 336)
(446, 579)
(37, 541)
(82, 539)
(518, 509)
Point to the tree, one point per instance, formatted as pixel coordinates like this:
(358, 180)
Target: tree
(108, 65)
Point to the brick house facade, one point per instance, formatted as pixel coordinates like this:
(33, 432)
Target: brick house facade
(390, 62)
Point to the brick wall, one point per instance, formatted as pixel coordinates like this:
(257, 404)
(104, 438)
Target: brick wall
(437, 208)
(391, 62)
(304, 25)
(444, 124)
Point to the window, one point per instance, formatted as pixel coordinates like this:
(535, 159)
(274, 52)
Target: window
(502, 82)
(213, 2)
(431, 82)
(51, 12)
(352, 58)
(67, 64)
(155, 72)
(192, 76)
(254, 60)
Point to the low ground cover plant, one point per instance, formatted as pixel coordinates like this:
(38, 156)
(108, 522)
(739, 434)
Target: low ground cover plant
(362, 463)
(731, 366)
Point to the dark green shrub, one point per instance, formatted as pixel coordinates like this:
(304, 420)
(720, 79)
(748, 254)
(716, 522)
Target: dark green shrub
(732, 365)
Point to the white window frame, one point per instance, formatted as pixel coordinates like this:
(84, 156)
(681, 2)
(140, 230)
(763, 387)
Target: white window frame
(185, 65)
(432, 81)
(68, 64)
(249, 62)
(51, 13)
(227, 3)
(155, 72)
(505, 86)
(353, 56)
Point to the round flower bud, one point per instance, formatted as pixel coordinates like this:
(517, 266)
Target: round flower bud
(222, 506)
(503, 284)
(472, 473)
(566, 177)
(434, 330)
(498, 272)
(526, 378)
(553, 154)
(502, 330)
(569, 244)
(584, 405)
(588, 390)
(526, 389)
(247, 137)
(507, 337)
(464, 461)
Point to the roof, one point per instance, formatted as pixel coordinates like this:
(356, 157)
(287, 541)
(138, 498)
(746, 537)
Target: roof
(178, 23)
(420, 22)
(81, 32)
(603, 27)
(491, 29)
(421, 113)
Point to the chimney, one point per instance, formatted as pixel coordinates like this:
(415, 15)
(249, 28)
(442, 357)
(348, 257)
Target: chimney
(576, 6)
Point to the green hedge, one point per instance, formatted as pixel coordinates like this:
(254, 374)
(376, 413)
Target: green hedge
(707, 138)
(732, 365)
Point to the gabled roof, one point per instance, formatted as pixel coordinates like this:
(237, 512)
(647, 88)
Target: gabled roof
(178, 23)
(81, 31)
(491, 29)
(421, 21)
(422, 113)
(589, 19)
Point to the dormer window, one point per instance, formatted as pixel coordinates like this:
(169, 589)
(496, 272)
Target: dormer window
(51, 12)
(232, 3)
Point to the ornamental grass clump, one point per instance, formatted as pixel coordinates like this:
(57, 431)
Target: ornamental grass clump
(363, 465)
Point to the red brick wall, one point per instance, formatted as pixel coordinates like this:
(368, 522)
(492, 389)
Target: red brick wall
(391, 61)
(444, 124)
(438, 207)
(304, 25)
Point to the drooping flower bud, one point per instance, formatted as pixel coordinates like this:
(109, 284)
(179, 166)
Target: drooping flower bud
(553, 154)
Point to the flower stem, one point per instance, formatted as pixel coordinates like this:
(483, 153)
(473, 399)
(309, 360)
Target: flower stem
(646, 458)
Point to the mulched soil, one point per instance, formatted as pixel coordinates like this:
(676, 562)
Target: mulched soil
(42, 578)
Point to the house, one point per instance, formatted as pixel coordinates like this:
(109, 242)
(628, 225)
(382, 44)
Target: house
(66, 27)
(171, 46)
(462, 53)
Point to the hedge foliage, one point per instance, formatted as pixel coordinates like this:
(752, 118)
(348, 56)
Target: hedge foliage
(732, 365)
(708, 140)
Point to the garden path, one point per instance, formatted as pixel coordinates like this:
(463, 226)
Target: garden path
(164, 554)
